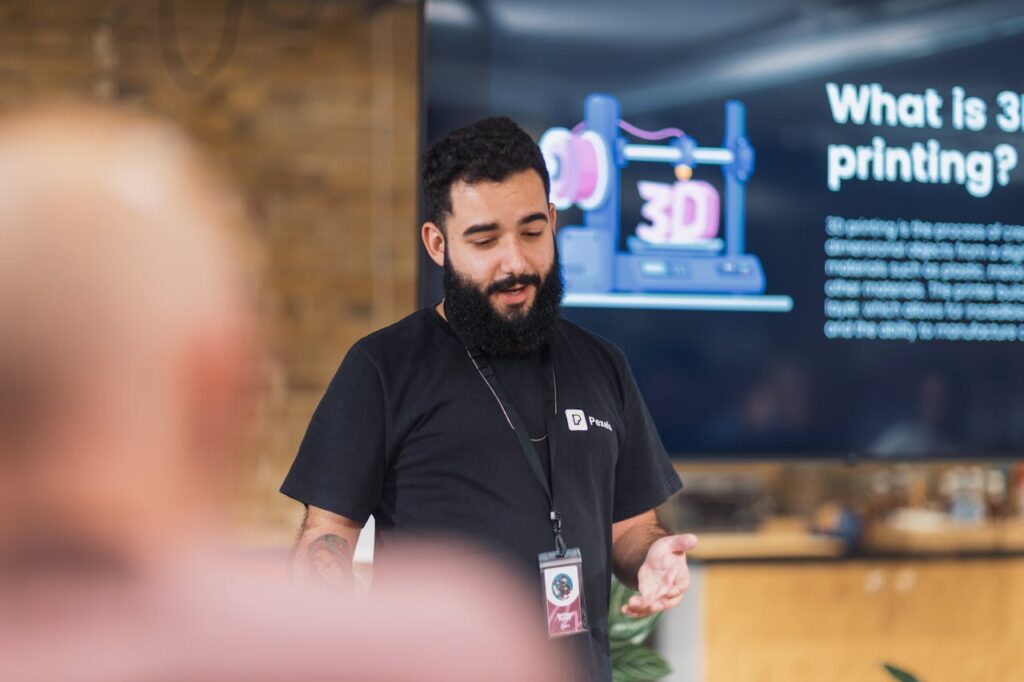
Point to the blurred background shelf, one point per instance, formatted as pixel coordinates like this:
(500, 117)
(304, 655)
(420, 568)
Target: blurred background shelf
(987, 537)
(782, 537)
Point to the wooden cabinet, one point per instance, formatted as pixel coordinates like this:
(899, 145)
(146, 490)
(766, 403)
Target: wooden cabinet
(837, 621)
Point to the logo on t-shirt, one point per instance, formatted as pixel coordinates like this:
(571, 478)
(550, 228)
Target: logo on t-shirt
(580, 422)
(577, 420)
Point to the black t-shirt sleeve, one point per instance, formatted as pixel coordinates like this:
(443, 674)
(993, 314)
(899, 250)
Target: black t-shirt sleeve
(644, 476)
(342, 459)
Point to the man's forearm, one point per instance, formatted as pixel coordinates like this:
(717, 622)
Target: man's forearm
(323, 552)
(325, 559)
(630, 550)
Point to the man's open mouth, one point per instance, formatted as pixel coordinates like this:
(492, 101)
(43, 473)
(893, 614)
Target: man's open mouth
(513, 295)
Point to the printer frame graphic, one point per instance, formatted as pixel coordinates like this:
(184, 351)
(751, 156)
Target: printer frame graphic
(694, 272)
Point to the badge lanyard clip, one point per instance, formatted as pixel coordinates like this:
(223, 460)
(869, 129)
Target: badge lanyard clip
(556, 524)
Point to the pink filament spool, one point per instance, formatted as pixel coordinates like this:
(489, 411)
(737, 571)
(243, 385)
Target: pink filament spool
(585, 162)
(578, 166)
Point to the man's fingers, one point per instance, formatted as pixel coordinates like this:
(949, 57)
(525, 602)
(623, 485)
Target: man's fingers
(638, 606)
(675, 580)
(635, 611)
(687, 542)
(662, 589)
(680, 578)
(679, 545)
(656, 606)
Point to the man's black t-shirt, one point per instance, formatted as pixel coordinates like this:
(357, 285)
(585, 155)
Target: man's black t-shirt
(523, 382)
(409, 432)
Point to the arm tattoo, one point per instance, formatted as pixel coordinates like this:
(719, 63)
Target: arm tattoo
(327, 559)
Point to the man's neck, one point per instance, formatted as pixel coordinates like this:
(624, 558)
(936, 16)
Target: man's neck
(439, 308)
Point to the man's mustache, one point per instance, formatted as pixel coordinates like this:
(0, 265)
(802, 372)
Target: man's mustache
(511, 282)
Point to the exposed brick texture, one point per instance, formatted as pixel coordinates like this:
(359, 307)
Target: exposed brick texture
(316, 122)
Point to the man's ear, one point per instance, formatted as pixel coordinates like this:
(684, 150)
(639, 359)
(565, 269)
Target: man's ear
(552, 217)
(433, 240)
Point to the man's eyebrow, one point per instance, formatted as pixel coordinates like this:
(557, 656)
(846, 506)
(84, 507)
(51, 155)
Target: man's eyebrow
(539, 215)
(480, 227)
(492, 227)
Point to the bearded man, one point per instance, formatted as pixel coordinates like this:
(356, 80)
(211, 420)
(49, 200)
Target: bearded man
(489, 418)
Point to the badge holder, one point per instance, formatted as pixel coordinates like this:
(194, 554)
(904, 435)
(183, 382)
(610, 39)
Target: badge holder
(563, 591)
(562, 579)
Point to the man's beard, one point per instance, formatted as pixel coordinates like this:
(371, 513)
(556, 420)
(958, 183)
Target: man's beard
(520, 333)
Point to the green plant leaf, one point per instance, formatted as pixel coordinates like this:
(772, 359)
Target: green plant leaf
(634, 630)
(620, 594)
(901, 675)
(632, 663)
(624, 628)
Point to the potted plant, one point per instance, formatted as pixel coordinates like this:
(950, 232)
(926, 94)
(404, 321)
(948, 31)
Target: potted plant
(632, 661)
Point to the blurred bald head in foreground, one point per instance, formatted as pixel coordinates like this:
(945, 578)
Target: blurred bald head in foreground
(126, 310)
(127, 346)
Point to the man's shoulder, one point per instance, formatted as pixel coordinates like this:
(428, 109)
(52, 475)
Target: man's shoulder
(405, 339)
(598, 356)
(581, 339)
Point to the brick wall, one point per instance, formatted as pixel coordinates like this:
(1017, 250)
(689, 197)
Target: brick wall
(315, 119)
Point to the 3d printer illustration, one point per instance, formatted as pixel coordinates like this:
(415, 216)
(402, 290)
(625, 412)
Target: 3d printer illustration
(676, 259)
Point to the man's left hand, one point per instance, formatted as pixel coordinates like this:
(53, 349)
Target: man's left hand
(663, 577)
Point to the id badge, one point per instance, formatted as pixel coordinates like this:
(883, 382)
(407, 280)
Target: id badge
(563, 592)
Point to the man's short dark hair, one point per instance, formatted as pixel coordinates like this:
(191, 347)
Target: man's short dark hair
(491, 149)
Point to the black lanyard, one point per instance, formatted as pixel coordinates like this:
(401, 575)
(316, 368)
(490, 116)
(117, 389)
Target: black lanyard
(518, 427)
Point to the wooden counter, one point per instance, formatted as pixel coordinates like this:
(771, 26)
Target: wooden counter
(945, 619)
(989, 537)
(788, 538)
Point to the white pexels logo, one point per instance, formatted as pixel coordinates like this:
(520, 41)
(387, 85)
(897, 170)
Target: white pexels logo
(581, 422)
(576, 419)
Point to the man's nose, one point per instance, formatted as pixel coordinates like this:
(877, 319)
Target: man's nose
(513, 257)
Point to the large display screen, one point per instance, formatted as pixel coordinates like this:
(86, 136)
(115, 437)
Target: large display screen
(802, 222)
